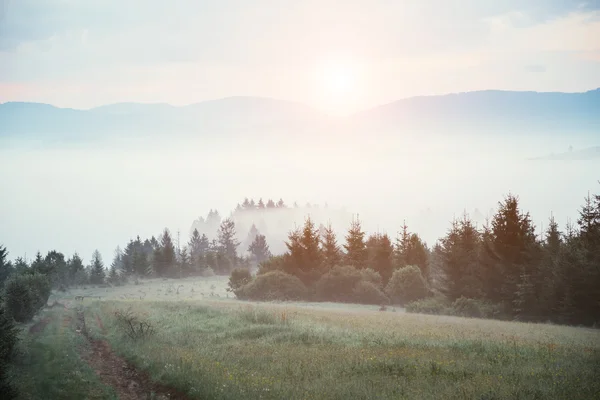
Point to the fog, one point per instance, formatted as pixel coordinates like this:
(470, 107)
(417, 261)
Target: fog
(101, 193)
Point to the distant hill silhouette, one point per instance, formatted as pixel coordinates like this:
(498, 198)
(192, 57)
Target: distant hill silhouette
(482, 110)
(585, 154)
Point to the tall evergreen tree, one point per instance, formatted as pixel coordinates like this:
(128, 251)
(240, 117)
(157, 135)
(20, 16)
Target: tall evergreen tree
(459, 260)
(97, 273)
(332, 254)
(259, 249)
(271, 204)
(356, 249)
(227, 239)
(6, 267)
(381, 255)
(77, 275)
(511, 252)
(164, 256)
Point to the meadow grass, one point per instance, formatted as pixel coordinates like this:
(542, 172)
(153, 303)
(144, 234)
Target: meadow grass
(48, 364)
(230, 350)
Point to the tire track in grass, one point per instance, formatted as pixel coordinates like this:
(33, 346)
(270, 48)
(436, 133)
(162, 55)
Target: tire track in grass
(127, 381)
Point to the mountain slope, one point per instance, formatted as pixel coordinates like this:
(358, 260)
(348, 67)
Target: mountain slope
(484, 111)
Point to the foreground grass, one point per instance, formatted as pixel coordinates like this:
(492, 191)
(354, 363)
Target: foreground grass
(232, 351)
(49, 365)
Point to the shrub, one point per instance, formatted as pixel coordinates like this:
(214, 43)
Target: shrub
(274, 285)
(338, 284)
(366, 292)
(239, 277)
(276, 263)
(133, 325)
(431, 305)
(474, 308)
(370, 275)
(406, 285)
(25, 294)
(8, 341)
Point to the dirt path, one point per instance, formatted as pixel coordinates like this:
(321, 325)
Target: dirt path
(40, 325)
(129, 383)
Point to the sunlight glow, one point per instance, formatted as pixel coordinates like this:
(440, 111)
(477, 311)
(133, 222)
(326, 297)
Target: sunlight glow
(338, 86)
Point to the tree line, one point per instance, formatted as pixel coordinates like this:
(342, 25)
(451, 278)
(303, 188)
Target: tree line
(502, 269)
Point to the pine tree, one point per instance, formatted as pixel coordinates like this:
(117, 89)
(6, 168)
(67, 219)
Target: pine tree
(184, 263)
(164, 256)
(381, 255)
(261, 204)
(271, 204)
(402, 246)
(227, 239)
(6, 267)
(259, 249)
(459, 260)
(331, 251)
(309, 241)
(116, 268)
(512, 254)
(76, 270)
(356, 249)
(280, 204)
(97, 272)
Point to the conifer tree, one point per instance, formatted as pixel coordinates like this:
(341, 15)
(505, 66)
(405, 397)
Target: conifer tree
(356, 249)
(260, 249)
(381, 255)
(511, 251)
(459, 260)
(6, 267)
(227, 239)
(270, 204)
(164, 256)
(97, 272)
(76, 270)
(331, 251)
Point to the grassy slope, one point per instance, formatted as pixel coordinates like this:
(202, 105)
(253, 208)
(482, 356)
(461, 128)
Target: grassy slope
(49, 365)
(229, 350)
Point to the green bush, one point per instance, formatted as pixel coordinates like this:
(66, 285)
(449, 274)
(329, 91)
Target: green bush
(431, 305)
(370, 275)
(338, 284)
(406, 285)
(25, 294)
(366, 292)
(8, 341)
(239, 277)
(274, 285)
(474, 308)
(275, 263)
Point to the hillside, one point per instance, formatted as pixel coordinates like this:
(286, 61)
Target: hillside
(522, 112)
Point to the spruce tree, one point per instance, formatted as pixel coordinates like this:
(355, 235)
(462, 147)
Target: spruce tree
(381, 255)
(511, 252)
(356, 249)
(76, 270)
(6, 267)
(97, 273)
(228, 242)
(259, 249)
(332, 255)
(164, 256)
(459, 260)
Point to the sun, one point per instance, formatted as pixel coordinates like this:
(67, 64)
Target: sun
(338, 84)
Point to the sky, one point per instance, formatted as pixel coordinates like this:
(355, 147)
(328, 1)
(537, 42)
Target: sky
(338, 56)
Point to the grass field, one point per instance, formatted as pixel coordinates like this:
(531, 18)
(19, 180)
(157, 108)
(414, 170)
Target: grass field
(219, 348)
